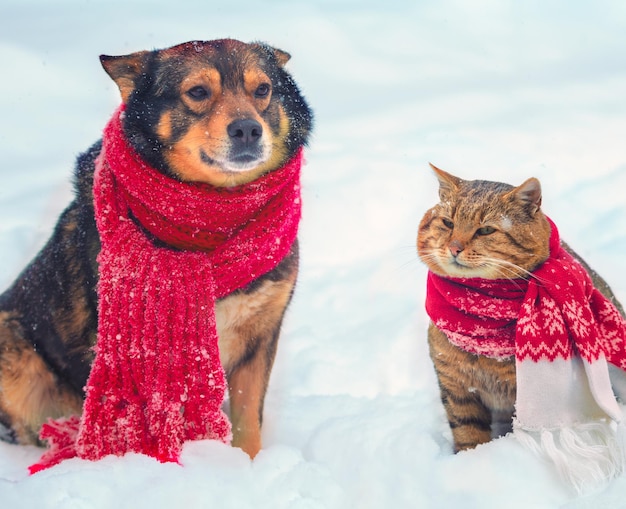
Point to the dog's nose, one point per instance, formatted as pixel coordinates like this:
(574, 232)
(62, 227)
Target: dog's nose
(245, 131)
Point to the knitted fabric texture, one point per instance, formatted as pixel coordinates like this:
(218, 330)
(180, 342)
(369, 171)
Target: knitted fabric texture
(169, 250)
(569, 342)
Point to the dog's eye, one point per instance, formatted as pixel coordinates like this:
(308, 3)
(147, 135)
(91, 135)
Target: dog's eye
(262, 90)
(198, 93)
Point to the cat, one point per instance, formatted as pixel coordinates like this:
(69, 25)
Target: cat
(487, 230)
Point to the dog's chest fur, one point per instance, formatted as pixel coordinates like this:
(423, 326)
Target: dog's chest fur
(253, 314)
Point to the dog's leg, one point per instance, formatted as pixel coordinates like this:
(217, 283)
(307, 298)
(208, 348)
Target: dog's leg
(29, 392)
(247, 386)
(248, 324)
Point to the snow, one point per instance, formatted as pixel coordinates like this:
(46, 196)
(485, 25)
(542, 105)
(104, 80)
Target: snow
(496, 90)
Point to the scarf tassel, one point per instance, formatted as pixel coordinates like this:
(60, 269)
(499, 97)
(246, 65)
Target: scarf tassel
(61, 437)
(585, 455)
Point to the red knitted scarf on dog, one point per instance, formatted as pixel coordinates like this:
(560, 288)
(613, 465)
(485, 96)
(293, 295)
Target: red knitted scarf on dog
(157, 380)
(562, 332)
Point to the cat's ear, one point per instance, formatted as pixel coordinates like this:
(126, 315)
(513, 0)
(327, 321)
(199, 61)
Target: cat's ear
(529, 193)
(448, 184)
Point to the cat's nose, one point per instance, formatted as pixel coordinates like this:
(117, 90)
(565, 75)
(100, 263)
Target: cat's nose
(455, 248)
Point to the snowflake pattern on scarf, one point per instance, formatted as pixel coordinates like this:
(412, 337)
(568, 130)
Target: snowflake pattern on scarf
(557, 313)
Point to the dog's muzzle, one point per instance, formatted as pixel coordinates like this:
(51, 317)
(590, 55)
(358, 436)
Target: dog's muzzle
(245, 140)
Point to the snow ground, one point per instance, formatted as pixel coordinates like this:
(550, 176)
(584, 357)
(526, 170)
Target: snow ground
(498, 90)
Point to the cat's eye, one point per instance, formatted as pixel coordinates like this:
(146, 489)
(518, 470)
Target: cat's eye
(485, 230)
(447, 223)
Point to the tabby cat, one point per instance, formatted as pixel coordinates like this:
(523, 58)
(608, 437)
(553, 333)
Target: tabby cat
(485, 230)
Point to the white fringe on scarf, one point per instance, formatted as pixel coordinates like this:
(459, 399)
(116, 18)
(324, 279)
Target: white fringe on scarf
(586, 456)
(568, 414)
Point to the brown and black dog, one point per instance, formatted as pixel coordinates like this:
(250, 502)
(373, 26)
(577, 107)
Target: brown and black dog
(218, 112)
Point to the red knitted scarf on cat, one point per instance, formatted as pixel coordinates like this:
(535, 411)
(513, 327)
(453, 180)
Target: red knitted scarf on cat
(169, 250)
(569, 344)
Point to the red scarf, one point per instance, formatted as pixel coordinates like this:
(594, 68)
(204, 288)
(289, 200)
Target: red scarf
(557, 312)
(157, 380)
(564, 335)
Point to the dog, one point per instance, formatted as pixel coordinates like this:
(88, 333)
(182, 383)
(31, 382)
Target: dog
(220, 113)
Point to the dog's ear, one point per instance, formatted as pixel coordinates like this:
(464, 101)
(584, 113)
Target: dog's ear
(125, 70)
(282, 57)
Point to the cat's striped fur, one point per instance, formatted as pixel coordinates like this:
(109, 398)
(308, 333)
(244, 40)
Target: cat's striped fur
(485, 230)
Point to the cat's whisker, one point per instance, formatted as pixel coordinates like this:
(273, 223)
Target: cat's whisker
(428, 254)
(514, 269)
(504, 267)
(409, 264)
